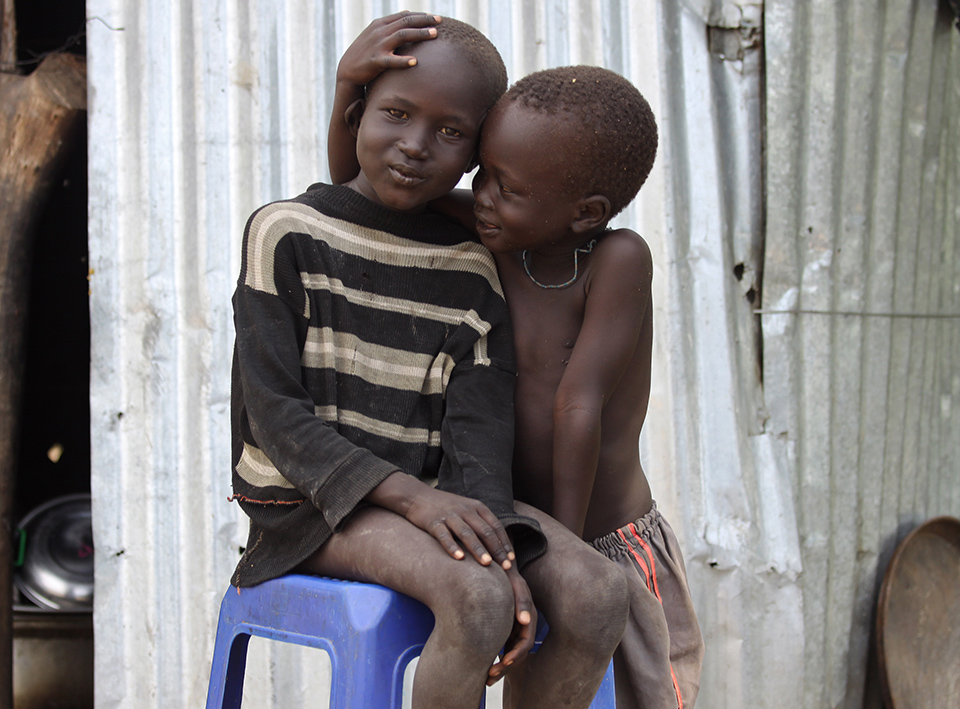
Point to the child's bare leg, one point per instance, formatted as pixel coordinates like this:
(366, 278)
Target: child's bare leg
(583, 596)
(473, 605)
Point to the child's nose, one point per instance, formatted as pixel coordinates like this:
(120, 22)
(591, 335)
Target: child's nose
(413, 144)
(480, 194)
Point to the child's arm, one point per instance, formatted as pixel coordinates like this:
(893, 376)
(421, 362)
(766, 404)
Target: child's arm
(618, 297)
(370, 54)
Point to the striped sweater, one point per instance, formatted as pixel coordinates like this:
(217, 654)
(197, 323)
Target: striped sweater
(367, 341)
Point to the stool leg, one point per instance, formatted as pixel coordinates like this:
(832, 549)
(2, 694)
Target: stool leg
(371, 673)
(236, 671)
(361, 679)
(228, 670)
(606, 697)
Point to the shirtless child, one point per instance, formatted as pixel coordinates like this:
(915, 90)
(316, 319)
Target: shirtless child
(373, 357)
(562, 153)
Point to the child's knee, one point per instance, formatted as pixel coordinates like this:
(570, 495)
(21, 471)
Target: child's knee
(593, 612)
(481, 607)
(615, 598)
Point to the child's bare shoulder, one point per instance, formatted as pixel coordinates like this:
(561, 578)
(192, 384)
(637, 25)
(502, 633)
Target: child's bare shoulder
(623, 251)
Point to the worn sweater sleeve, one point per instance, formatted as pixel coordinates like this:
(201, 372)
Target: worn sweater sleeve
(477, 440)
(286, 446)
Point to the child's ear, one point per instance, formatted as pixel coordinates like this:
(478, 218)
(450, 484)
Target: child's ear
(353, 114)
(592, 212)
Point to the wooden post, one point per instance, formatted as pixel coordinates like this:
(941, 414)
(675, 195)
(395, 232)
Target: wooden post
(8, 37)
(39, 115)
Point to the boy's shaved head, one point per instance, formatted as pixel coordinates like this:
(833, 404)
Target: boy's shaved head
(612, 131)
(476, 49)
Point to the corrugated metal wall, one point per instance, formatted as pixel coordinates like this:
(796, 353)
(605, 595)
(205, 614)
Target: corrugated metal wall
(790, 459)
(862, 301)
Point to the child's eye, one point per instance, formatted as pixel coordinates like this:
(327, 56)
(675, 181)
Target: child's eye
(397, 113)
(506, 190)
(451, 132)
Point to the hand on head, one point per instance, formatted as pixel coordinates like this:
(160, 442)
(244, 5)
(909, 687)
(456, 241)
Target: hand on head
(372, 52)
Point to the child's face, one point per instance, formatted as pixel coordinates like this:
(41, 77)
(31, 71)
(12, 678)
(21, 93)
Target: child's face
(419, 129)
(523, 195)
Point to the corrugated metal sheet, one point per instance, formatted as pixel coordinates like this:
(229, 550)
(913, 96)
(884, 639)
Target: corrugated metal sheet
(789, 490)
(862, 316)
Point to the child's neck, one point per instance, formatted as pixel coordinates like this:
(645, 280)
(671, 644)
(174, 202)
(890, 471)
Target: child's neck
(578, 253)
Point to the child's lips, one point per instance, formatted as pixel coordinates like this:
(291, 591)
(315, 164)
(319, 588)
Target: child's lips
(485, 228)
(406, 175)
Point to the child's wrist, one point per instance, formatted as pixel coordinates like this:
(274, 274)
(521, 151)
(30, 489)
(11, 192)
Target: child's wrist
(345, 83)
(396, 492)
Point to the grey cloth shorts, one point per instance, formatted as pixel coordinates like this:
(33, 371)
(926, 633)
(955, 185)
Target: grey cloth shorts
(658, 662)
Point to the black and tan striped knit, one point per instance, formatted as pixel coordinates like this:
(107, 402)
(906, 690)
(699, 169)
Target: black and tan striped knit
(368, 341)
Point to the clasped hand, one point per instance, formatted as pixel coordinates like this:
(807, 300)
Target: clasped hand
(454, 521)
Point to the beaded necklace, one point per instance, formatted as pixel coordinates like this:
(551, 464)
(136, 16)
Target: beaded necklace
(576, 265)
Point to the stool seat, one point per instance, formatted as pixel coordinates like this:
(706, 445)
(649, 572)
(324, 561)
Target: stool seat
(370, 632)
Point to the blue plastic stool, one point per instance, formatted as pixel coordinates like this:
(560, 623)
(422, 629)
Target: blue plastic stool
(370, 632)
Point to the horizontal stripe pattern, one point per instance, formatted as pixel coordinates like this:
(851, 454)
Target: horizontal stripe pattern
(377, 365)
(450, 316)
(387, 315)
(403, 434)
(256, 469)
(275, 221)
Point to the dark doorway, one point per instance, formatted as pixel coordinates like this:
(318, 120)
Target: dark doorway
(52, 650)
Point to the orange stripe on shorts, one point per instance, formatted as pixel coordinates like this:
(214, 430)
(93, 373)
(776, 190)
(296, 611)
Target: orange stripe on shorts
(656, 589)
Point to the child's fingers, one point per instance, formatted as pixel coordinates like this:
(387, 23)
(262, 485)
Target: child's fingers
(485, 528)
(469, 539)
(493, 543)
(525, 627)
(389, 60)
(518, 647)
(399, 38)
(440, 532)
(495, 673)
(521, 643)
(503, 554)
(411, 27)
(459, 524)
(408, 17)
(413, 19)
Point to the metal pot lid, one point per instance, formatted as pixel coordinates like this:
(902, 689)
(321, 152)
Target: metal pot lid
(57, 569)
(918, 619)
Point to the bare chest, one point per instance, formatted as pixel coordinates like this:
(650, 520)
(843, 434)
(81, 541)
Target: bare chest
(546, 324)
